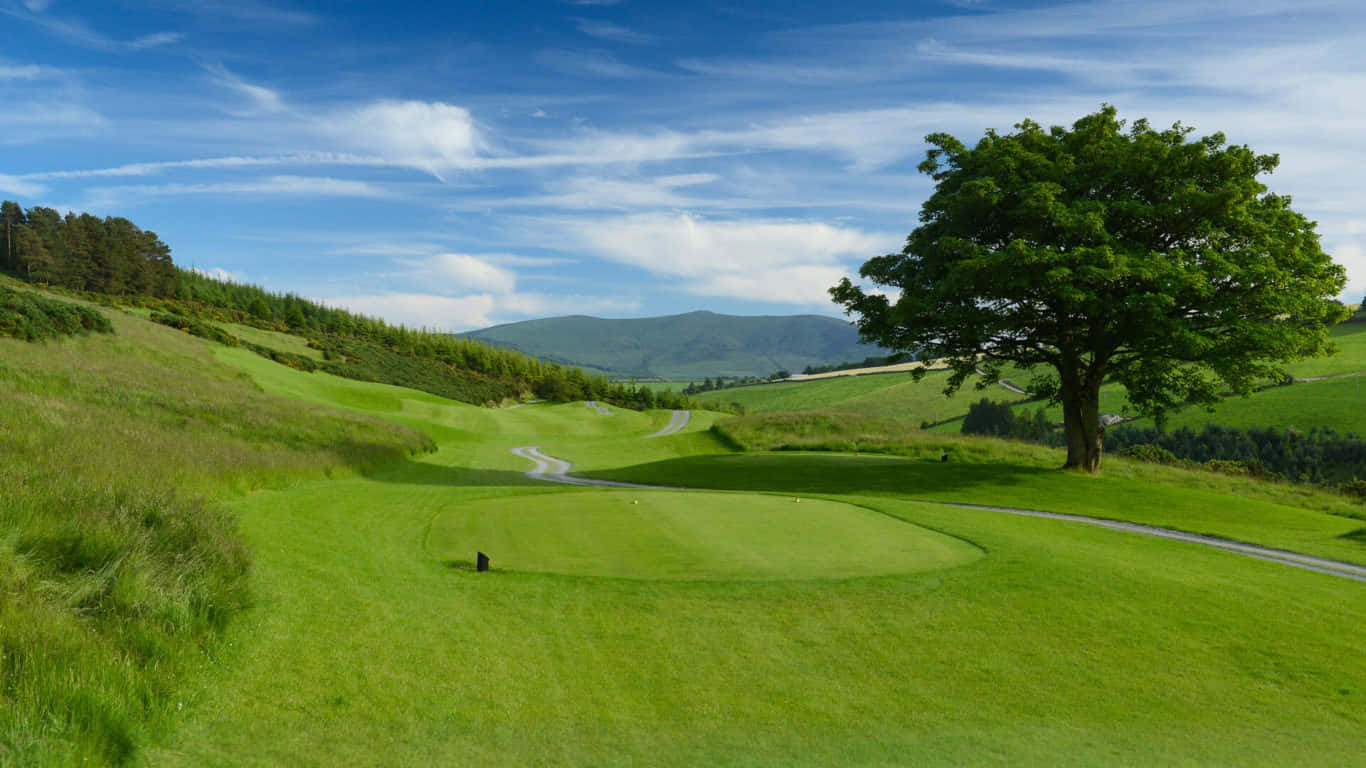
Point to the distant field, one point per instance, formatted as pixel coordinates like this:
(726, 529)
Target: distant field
(889, 395)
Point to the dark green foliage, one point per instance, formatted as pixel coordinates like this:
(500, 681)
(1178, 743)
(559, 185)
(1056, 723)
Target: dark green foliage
(85, 253)
(987, 418)
(1103, 254)
(196, 328)
(1320, 455)
(1154, 454)
(1356, 488)
(1000, 420)
(28, 316)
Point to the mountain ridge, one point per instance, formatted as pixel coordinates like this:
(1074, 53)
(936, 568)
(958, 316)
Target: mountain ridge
(689, 345)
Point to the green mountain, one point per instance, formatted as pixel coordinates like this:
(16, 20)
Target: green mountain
(688, 346)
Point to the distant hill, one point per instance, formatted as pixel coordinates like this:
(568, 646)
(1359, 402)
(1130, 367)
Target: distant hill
(688, 346)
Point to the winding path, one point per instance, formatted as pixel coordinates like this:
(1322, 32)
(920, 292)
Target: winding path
(679, 420)
(556, 470)
(599, 407)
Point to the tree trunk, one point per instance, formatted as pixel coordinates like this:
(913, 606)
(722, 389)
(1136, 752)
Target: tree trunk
(1081, 423)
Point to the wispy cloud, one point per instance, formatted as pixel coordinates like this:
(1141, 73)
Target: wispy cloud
(302, 186)
(259, 98)
(26, 72)
(754, 259)
(32, 121)
(593, 63)
(252, 11)
(76, 32)
(606, 30)
(20, 187)
(208, 163)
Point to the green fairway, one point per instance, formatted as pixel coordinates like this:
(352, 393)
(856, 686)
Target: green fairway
(691, 536)
(863, 625)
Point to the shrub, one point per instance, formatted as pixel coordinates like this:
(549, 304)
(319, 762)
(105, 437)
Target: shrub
(28, 316)
(987, 418)
(1227, 467)
(1148, 452)
(1356, 489)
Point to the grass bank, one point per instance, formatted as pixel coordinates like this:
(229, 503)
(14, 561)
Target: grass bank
(118, 574)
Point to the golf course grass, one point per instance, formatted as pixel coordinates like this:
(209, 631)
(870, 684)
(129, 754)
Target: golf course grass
(692, 536)
(859, 626)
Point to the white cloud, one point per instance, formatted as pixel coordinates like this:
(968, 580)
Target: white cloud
(20, 187)
(218, 273)
(422, 310)
(462, 272)
(761, 260)
(463, 313)
(431, 136)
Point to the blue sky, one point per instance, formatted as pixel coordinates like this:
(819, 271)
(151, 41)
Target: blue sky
(455, 165)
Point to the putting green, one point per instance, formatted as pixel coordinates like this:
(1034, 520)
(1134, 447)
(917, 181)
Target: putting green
(690, 536)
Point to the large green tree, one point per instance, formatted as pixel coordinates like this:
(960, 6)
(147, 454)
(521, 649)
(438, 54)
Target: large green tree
(1097, 254)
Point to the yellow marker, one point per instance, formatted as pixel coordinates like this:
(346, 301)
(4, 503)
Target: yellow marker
(798, 500)
(635, 501)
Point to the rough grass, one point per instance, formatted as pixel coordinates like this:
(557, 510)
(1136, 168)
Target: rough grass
(116, 576)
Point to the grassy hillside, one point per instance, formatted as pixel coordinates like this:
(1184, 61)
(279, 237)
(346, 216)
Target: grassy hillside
(689, 346)
(1311, 401)
(609, 634)
(118, 577)
(893, 396)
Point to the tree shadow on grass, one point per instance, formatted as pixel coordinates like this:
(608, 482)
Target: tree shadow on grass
(784, 472)
(823, 473)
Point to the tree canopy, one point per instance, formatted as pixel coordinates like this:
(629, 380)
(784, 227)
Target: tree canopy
(1097, 254)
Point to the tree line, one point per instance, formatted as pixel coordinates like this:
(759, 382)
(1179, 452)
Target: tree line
(86, 253)
(113, 257)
